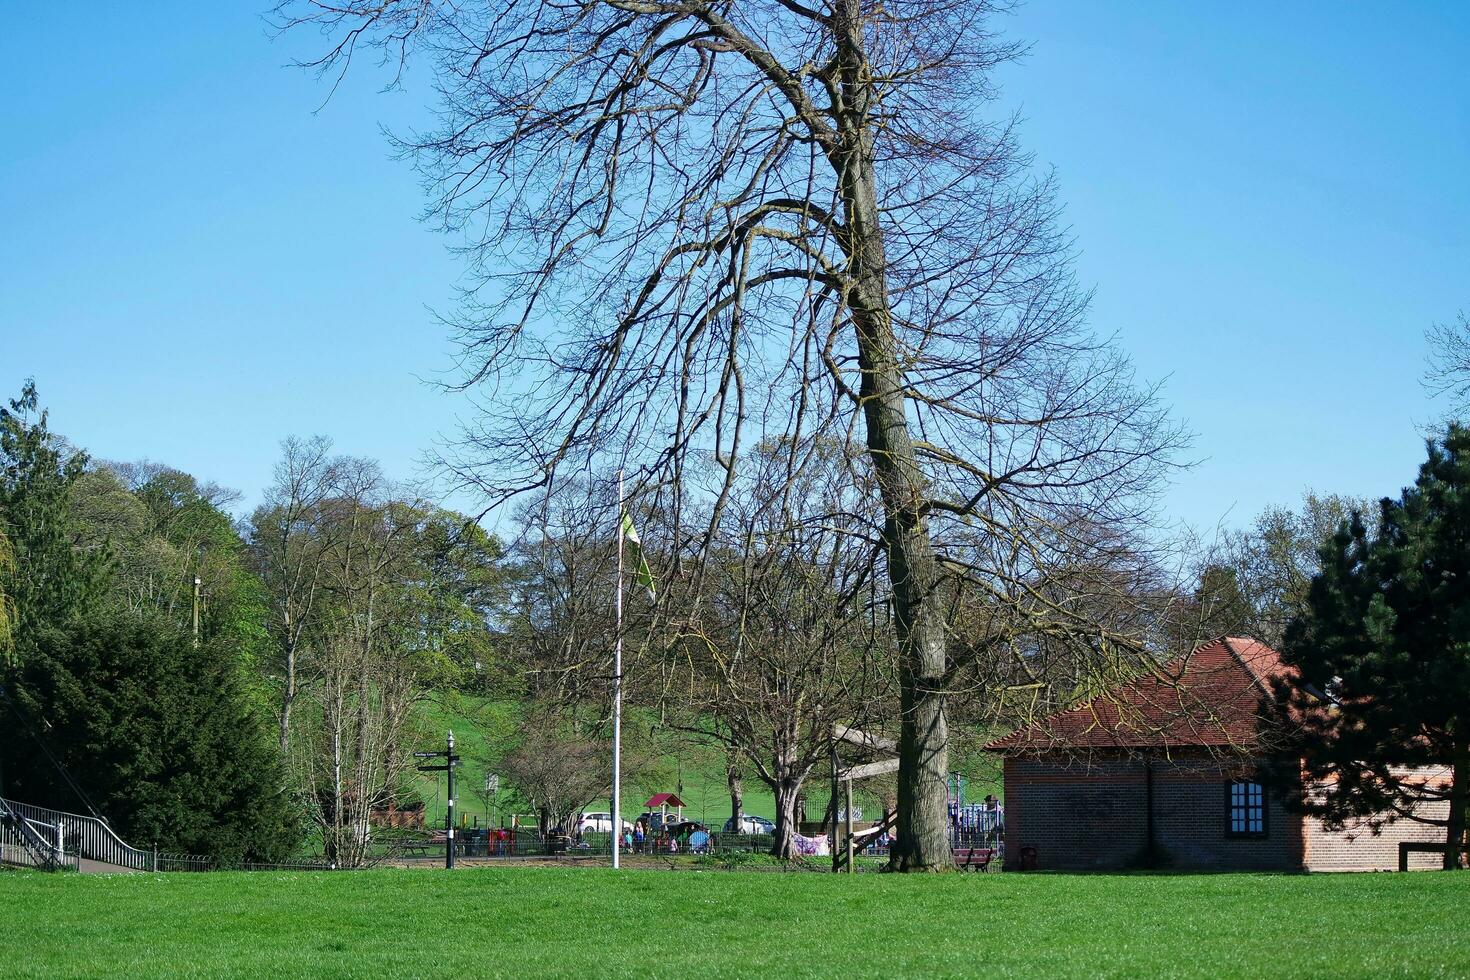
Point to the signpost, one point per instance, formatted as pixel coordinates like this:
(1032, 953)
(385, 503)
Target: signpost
(492, 796)
(450, 759)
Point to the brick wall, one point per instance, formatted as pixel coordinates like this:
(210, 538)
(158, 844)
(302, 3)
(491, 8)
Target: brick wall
(1091, 815)
(1190, 823)
(1357, 848)
(1076, 816)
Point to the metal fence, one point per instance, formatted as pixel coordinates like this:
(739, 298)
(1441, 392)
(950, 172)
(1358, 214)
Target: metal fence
(86, 837)
(76, 838)
(34, 836)
(27, 842)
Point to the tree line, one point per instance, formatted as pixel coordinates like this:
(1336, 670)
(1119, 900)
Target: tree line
(222, 686)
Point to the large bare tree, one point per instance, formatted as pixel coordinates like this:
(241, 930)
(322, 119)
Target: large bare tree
(289, 541)
(1448, 374)
(697, 225)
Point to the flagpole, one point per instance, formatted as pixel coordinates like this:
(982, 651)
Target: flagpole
(617, 821)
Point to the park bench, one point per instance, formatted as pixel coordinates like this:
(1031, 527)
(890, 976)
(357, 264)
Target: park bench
(1421, 847)
(421, 846)
(973, 858)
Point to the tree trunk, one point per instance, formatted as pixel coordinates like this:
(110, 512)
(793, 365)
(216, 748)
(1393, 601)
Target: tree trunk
(737, 796)
(1454, 851)
(288, 696)
(786, 789)
(923, 838)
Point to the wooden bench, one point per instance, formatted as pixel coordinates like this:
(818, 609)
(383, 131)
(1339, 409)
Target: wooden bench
(973, 858)
(1422, 847)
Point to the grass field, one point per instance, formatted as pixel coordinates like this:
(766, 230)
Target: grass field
(593, 922)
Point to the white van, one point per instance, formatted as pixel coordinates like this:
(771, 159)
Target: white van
(599, 823)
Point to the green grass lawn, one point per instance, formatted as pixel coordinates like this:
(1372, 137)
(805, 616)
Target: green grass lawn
(593, 922)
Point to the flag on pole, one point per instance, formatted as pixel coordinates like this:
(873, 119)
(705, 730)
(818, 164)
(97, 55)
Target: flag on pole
(642, 574)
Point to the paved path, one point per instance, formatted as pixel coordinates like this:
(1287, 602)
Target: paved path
(89, 867)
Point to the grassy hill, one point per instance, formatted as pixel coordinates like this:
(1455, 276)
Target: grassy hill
(595, 922)
(483, 727)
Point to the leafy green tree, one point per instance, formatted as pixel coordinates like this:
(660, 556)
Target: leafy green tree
(1383, 651)
(51, 581)
(1221, 608)
(1275, 559)
(457, 591)
(168, 529)
(159, 736)
(109, 704)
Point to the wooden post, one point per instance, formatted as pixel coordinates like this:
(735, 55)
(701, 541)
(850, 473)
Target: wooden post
(836, 863)
(851, 864)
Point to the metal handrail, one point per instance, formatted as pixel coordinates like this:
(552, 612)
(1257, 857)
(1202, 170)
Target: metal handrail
(30, 842)
(87, 837)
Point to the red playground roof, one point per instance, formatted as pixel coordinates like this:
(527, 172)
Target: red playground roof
(664, 799)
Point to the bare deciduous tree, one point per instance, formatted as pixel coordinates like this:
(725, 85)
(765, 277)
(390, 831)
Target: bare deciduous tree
(559, 775)
(786, 644)
(374, 652)
(1449, 364)
(702, 224)
(288, 543)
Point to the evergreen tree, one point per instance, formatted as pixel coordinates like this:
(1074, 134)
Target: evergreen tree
(157, 734)
(116, 709)
(7, 604)
(52, 581)
(1383, 651)
(1219, 605)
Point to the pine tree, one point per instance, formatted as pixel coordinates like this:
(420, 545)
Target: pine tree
(117, 711)
(159, 735)
(1383, 651)
(7, 604)
(51, 580)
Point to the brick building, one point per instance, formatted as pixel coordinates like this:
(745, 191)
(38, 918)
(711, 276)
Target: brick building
(1162, 772)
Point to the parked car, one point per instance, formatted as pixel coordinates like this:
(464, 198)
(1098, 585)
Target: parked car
(654, 820)
(599, 823)
(749, 825)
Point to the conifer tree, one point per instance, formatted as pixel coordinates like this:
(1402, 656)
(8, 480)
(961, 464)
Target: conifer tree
(1383, 651)
(123, 714)
(50, 581)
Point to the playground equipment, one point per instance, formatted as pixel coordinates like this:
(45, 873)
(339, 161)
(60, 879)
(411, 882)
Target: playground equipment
(842, 780)
(976, 829)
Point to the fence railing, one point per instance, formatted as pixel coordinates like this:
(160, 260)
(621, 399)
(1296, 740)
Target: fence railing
(78, 837)
(28, 842)
(87, 837)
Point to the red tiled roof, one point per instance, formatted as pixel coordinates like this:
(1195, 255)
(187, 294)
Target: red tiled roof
(1209, 697)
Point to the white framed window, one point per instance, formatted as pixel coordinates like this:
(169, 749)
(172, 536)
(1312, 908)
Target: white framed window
(1245, 809)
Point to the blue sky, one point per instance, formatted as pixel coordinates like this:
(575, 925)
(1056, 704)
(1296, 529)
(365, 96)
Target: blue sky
(1271, 200)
